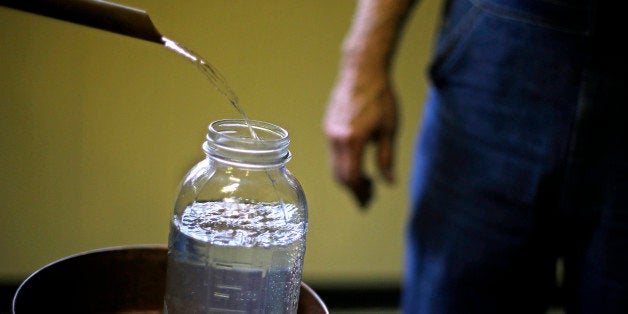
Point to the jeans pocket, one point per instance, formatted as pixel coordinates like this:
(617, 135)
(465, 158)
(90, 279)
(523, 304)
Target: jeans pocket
(477, 34)
(456, 29)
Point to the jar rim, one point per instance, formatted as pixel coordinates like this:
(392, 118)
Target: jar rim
(231, 141)
(225, 128)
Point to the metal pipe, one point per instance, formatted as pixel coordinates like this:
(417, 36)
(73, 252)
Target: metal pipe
(103, 15)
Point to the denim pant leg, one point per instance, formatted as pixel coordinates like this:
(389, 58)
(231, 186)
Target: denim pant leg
(476, 242)
(596, 195)
(488, 171)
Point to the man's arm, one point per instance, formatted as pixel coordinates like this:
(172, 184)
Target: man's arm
(362, 107)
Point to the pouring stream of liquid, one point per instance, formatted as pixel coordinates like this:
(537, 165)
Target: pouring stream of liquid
(213, 75)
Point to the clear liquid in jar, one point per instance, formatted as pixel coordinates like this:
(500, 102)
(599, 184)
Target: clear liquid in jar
(235, 258)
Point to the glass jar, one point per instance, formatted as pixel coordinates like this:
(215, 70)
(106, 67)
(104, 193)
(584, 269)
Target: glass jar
(237, 237)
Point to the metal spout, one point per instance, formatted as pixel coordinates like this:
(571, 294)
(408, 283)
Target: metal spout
(94, 13)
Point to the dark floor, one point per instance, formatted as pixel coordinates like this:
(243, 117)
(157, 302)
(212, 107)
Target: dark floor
(339, 300)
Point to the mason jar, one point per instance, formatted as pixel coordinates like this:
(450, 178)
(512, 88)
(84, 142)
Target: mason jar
(237, 235)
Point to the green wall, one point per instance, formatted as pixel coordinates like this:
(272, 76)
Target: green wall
(97, 129)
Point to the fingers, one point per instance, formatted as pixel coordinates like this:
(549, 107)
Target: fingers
(347, 162)
(385, 157)
(347, 156)
(362, 190)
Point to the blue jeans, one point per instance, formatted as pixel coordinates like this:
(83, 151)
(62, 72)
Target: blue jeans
(522, 159)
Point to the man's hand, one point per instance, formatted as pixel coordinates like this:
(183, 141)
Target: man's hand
(361, 110)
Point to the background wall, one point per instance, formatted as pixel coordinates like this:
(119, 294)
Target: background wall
(97, 129)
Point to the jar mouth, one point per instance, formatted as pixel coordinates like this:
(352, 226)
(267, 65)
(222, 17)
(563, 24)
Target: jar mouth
(240, 130)
(247, 142)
